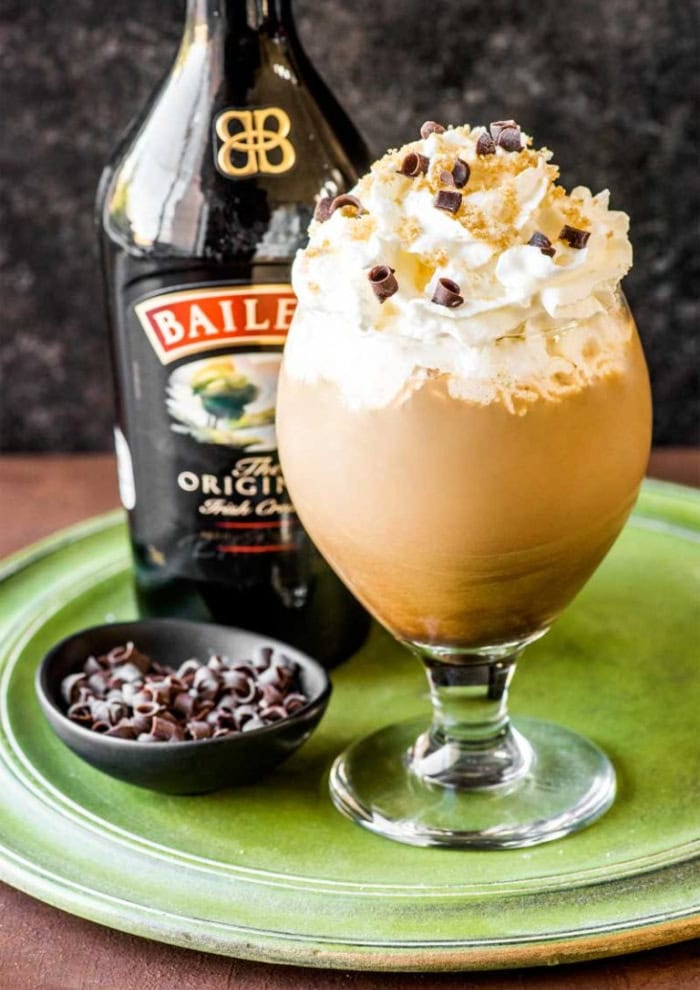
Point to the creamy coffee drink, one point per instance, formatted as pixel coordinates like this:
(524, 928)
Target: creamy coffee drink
(464, 409)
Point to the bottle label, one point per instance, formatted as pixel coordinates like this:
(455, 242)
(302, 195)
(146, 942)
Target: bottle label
(179, 324)
(253, 142)
(208, 492)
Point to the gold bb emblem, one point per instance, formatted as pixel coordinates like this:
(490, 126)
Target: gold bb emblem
(254, 141)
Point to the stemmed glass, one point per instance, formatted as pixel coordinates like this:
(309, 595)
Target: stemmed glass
(466, 528)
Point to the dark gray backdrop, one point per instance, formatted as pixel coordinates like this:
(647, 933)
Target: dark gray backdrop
(609, 84)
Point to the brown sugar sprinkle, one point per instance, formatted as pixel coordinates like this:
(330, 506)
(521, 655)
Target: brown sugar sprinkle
(447, 293)
(492, 170)
(574, 237)
(383, 282)
(431, 127)
(435, 259)
(487, 228)
(541, 241)
(362, 228)
(408, 230)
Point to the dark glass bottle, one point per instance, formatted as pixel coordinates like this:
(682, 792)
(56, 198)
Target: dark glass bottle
(200, 214)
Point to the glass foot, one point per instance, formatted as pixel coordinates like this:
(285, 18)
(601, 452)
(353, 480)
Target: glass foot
(387, 783)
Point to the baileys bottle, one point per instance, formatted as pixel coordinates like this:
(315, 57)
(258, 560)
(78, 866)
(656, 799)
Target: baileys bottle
(200, 214)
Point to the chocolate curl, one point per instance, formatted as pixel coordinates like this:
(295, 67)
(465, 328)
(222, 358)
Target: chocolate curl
(414, 164)
(188, 668)
(216, 698)
(184, 703)
(124, 730)
(272, 695)
(485, 145)
(226, 720)
(244, 712)
(431, 127)
(265, 658)
(447, 293)
(117, 711)
(253, 723)
(458, 176)
(347, 200)
(326, 207)
(460, 173)
(285, 676)
(70, 687)
(143, 716)
(165, 730)
(541, 241)
(506, 134)
(273, 713)
(448, 200)
(383, 282)
(119, 654)
(127, 672)
(574, 237)
(323, 209)
(80, 713)
(98, 683)
(293, 702)
(206, 683)
(202, 709)
(245, 689)
(196, 729)
(159, 691)
(236, 681)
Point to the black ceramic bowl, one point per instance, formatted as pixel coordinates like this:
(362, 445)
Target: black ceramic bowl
(180, 767)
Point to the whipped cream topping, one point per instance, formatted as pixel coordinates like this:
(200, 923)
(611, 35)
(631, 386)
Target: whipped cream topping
(530, 324)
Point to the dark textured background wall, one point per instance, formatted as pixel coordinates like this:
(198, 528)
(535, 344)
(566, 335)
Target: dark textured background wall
(609, 84)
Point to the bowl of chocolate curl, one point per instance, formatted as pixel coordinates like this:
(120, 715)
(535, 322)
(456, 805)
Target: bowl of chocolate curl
(181, 707)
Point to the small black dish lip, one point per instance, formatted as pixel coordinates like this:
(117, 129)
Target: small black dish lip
(50, 696)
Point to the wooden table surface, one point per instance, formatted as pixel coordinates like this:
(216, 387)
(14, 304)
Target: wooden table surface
(42, 948)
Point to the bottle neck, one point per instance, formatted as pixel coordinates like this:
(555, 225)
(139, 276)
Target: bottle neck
(226, 17)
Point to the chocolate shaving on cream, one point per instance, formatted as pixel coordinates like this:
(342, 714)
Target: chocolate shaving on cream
(458, 175)
(447, 293)
(506, 134)
(574, 237)
(326, 207)
(448, 200)
(414, 164)
(485, 145)
(383, 282)
(431, 127)
(541, 241)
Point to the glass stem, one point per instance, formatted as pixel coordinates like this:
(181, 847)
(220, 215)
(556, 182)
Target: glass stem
(470, 743)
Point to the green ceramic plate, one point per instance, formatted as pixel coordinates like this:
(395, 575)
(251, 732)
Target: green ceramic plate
(274, 872)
